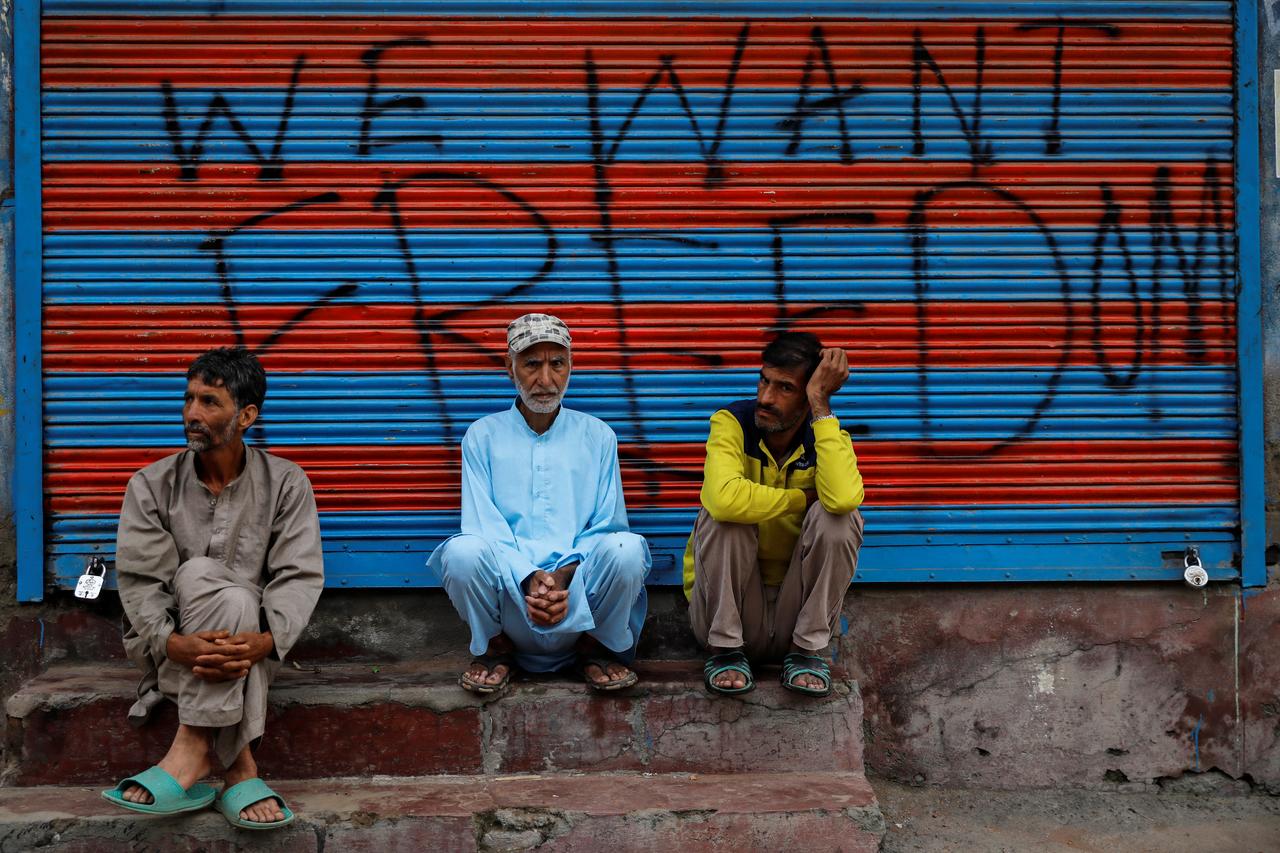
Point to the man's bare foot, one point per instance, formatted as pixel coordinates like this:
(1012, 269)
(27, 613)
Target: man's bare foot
(613, 671)
(804, 680)
(187, 761)
(727, 672)
(243, 769)
(600, 667)
(480, 674)
(730, 679)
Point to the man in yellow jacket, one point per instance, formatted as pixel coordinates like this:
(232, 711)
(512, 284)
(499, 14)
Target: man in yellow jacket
(776, 542)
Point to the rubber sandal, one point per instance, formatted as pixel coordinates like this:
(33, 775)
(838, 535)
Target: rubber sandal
(796, 664)
(603, 661)
(717, 665)
(489, 662)
(239, 797)
(170, 797)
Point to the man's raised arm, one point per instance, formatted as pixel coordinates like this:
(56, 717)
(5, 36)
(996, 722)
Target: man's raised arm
(838, 481)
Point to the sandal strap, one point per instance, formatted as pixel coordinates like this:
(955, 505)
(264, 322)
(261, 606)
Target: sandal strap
(156, 781)
(490, 660)
(239, 797)
(719, 664)
(734, 661)
(800, 664)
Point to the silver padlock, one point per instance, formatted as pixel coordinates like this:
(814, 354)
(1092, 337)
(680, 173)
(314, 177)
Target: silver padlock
(1193, 572)
(90, 583)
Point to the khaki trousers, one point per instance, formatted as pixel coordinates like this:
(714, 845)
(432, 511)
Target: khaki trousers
(210, 597)
(730, 607)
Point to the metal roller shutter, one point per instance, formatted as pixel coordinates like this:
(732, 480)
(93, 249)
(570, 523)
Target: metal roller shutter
(1019, 219)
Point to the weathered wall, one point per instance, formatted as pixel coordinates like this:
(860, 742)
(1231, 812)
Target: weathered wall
(31, 636)
(13, 663)
(6, 262)
(1268, 63)
(1090, 686)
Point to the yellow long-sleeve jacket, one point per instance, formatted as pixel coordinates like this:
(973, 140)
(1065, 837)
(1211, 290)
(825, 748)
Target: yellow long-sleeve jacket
(743, 483)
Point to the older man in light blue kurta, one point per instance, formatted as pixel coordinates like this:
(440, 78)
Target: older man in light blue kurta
(545, 571)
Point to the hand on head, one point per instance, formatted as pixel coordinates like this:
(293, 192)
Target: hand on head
(829, 377)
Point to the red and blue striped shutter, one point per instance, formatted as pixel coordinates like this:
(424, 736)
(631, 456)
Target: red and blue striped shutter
(1017, 217)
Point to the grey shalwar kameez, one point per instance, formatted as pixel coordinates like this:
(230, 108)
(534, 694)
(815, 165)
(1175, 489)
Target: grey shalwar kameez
(246, 560)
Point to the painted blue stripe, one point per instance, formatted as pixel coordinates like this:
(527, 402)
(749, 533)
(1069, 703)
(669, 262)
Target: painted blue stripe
(878, 563)
(1035, 525)
(473, 266)
(488, 126)
(1102, 543)
(142, 410)
(908, 9)
(28, 469)
(1253, 522)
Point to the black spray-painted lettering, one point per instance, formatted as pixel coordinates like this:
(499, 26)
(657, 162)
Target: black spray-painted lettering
(1052, 130)
(981, 152)
(271, 165)
(805, 109)
(374, 107)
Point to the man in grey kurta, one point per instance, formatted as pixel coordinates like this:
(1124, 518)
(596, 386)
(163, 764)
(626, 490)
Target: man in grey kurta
(219, 566)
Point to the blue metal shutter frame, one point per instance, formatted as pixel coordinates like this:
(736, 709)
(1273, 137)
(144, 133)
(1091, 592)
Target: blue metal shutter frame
(1026, 223)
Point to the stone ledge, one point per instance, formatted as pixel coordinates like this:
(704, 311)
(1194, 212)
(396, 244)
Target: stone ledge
(68, 726)
(570, 812)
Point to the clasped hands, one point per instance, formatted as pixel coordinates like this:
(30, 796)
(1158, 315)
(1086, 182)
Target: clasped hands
(219, 655)
(547, 594)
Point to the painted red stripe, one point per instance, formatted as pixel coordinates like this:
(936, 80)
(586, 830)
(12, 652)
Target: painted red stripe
(644, 195)
(543, 54)
(425, 478)
(465, 337)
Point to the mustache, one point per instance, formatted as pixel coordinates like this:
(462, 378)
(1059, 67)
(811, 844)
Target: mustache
(197, 428)
(770, 409)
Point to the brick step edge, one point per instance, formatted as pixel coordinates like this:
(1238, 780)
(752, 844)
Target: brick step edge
(619, 812)
(68, 726)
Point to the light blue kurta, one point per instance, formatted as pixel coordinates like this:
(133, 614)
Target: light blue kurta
(542, 502)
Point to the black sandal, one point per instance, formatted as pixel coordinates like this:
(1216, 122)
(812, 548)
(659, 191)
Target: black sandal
(797, 664)
(602, 658)
(717, 665)
(490, 662)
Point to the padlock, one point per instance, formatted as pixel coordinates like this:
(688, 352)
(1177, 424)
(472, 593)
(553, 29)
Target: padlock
(1193, 572)
(90, 583)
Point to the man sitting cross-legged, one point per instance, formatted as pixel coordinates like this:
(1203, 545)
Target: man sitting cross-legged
(219, 567)
(776, 542)
(545, 570)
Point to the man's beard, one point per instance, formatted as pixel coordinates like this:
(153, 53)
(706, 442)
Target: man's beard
(538, 406)
(778, 426)
(204, 440)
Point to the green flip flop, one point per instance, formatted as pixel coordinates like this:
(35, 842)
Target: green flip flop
(717, 665)
(239, 797)
(169, 796)
(801, 664)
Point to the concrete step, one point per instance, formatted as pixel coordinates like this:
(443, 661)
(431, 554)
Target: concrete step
(68, 725)
(614, 811)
